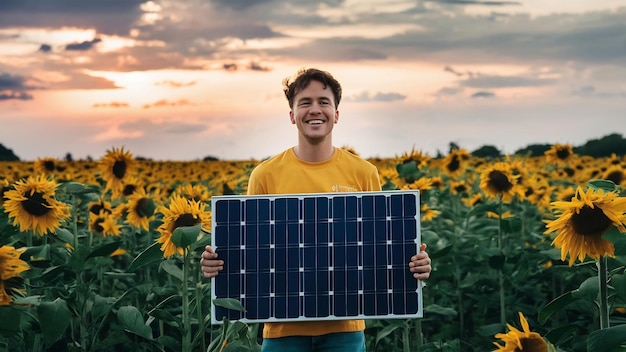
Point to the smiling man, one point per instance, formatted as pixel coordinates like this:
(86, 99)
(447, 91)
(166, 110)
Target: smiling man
(314, 165)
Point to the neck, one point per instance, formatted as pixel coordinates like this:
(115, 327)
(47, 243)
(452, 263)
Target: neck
(314, 152)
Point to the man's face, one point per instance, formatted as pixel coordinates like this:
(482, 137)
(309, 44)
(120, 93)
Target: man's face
(314, 112)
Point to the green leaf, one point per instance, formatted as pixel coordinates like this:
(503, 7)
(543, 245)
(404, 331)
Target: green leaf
(185, 236)
(74, 187)
(104, 250)
(167, 317)
(171, 268)
(561, 334)
(386, 331)
(149, 256)
(64, 235)
(618, 239)
(618, 281)
(10, 322)
(437, 309)
(131, 319)
(497, 261)
(54, 318)
(204, 241)
(490, 330)
(555, 305)
(229, 303)
(605, 185)
(605, 339)
(588, 289)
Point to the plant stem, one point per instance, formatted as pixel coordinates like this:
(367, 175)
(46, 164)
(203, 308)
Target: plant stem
(199, 311)
(602, 279)
(418, 334)
(405, 337)
(186, 317)
(500, 275)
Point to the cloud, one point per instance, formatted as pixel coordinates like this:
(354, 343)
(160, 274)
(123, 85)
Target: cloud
(473, 2)
(45, 48)
(483, 94)
(113, 104)
(15, 95)
(84, 46)
(384, 97)
(495, 81)
(14, 87)
(175, 84)
(166, 103)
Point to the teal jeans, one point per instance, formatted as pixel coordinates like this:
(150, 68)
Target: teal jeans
(337, 342)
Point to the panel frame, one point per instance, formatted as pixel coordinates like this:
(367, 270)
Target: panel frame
(289, 227)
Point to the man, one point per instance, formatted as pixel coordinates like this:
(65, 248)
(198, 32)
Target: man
(314, 165)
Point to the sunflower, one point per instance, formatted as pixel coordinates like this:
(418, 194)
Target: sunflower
(46, 166)
(615, 173)
(422, 184)
(104, 224)
(459, 187)
(454, 163)
(498, 181)
(181, 212)
(524, 340)
(473, 200)
(140, 209)
(560, 154)
(11, 266)
(115, 167)
(31, 204)
(584, 220)
(98, 206)
(197, 192)
(427, 213)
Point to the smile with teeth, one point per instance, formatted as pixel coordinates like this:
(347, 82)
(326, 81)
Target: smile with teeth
(315, 122)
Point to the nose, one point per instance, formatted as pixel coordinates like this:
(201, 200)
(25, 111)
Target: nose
(315, 108)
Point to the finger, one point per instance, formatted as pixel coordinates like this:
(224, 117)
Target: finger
(209, 255)
(421, 276)
(419, 256)
(423, 247)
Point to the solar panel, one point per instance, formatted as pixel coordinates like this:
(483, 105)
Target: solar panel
(325, 256)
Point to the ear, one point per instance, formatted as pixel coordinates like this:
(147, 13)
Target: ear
(293, 120)
(336, 116)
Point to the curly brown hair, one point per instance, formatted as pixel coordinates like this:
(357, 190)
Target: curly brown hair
(294, 84)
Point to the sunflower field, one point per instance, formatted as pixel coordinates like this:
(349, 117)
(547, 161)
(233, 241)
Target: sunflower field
(529, 254)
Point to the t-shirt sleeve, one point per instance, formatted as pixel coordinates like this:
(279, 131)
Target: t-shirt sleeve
(255, 185)
(374, 182)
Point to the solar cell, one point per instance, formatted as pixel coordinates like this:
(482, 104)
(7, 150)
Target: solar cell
(322, 256)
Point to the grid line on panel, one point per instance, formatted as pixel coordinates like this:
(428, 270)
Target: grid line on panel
(317, 256)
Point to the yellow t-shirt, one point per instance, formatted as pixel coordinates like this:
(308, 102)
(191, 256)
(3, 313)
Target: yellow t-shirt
(286, 174)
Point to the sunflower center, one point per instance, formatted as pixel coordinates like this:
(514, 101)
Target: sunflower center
(590, 221)
(534, 343)
(562, 154)
(129, 189)
(454, 164)
(35, 204)
(97, 226)
(499, 181)
(185, 220)
(49, 165)
(119, 168)
(616, 177)
(142, 208)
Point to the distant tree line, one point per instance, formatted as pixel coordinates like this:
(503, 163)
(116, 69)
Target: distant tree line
(597, 148)
(602, 147)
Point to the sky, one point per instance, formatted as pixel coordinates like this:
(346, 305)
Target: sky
(187, 79)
